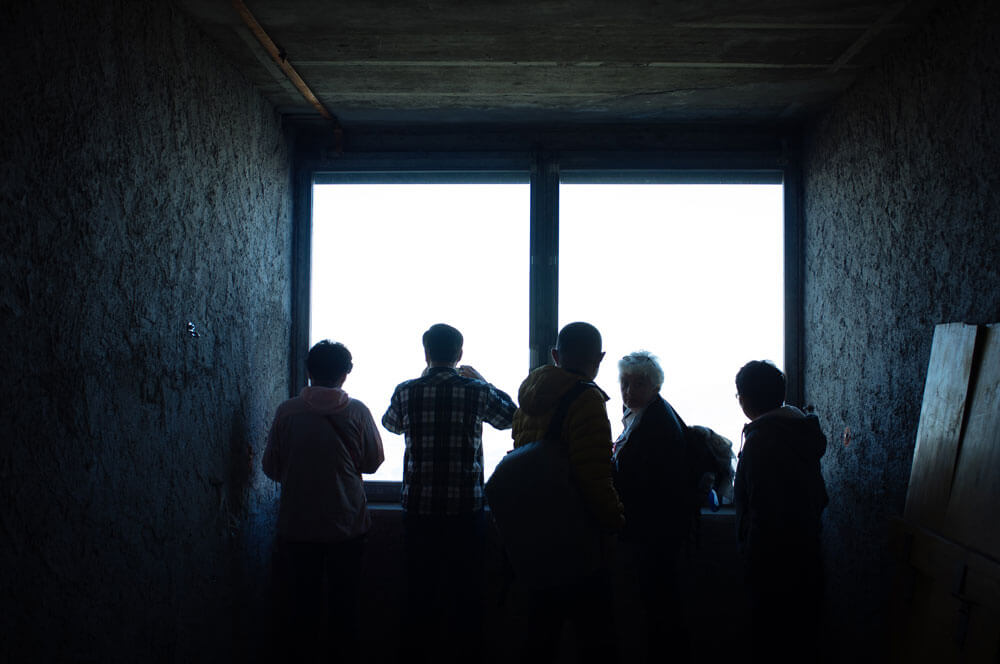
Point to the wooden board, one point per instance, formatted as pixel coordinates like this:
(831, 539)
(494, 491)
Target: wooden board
(940, 426)
(945, 604)
(973, 515)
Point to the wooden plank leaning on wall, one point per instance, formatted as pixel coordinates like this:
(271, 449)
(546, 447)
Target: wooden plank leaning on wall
(945, 604)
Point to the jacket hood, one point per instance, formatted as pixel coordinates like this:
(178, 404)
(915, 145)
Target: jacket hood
(543, 388)
(325, 400)
(792, 423)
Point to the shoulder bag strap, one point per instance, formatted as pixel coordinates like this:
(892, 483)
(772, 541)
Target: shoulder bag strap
(555, 424)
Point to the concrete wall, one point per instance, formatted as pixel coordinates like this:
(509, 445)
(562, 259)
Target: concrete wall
(143, 185)
(902, 218)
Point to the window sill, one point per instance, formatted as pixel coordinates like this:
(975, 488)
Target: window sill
(384, 496)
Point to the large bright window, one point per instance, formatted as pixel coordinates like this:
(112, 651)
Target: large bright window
(692, 273)
(390, 260)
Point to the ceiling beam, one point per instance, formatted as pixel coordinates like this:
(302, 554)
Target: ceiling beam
(280, 59)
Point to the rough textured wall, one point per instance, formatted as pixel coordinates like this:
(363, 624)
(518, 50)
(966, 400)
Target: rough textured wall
(902, 217)
(143, 185)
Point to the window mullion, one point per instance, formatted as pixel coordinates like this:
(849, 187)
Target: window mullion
(543, 280)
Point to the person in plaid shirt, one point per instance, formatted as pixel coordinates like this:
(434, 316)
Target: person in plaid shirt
(441, 414)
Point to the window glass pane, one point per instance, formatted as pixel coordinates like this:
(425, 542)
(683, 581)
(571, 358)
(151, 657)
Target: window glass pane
(389, 261)
(691, 273)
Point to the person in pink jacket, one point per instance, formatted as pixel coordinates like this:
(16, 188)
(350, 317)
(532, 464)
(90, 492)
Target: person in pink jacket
(319, 445)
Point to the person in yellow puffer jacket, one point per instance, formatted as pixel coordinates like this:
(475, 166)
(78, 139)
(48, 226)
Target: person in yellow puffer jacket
(587, 602)
(587, 431)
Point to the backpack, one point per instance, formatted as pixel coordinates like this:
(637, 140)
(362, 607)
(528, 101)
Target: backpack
(710, 467)
(714, 466)
(547, 530)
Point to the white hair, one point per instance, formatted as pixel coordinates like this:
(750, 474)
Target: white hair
(642, 362)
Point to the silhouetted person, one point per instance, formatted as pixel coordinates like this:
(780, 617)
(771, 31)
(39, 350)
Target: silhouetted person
(586, 601)
(780, 496)
(657, 474)
(441, 414)
(319, 444)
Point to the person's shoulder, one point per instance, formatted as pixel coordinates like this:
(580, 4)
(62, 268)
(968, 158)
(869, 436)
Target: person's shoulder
(289, 406)
(479, 390)
(476, 384)
(482, 386)
(592, 393)
(662, 415)
(759, 432)
(409, 383)
(765, 439)
(659, 408)
(357, 406)
(590, 404)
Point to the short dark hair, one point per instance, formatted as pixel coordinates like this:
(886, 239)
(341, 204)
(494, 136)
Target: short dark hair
(327, 361)
(578, 343)
(761, 385)
(443, 343)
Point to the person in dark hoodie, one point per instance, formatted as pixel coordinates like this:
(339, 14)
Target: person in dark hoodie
(779, 497)
(319, 444)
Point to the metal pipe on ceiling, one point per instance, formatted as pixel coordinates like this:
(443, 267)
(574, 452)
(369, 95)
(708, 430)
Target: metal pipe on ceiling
(282, 60)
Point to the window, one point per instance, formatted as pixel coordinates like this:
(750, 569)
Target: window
(690, 272)
(390, 260)
(692, 267)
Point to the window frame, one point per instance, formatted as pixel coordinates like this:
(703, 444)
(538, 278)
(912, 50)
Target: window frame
(545, 170)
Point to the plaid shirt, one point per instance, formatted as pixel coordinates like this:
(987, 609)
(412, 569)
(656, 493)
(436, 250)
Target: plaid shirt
(442, 414)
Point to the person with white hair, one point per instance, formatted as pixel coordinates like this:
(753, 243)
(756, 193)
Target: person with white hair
(656, 472)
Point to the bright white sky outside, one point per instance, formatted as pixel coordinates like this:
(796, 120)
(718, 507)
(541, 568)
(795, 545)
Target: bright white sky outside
(692, 273)
(389, 261)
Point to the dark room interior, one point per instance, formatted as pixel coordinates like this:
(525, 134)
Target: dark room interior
(155, 199)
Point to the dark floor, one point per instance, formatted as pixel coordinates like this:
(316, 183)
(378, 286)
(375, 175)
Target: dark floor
(712, 589)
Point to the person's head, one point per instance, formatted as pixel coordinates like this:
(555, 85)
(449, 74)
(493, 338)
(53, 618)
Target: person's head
(329, 363)
(578, 349)
(760, 387)
(442, 345)
(640, 377)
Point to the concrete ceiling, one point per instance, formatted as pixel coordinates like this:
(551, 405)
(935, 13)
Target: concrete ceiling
(560, 61)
